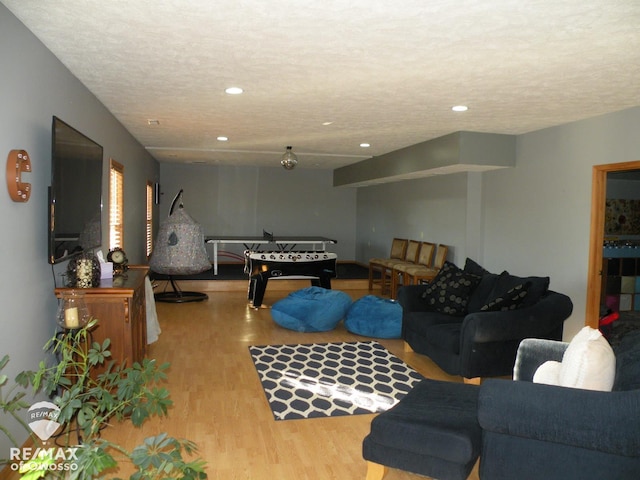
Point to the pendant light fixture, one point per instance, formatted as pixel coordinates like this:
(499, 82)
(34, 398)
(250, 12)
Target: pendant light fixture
(289, 159)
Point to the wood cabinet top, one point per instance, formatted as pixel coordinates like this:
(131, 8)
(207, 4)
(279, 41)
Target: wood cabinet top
(121, 285)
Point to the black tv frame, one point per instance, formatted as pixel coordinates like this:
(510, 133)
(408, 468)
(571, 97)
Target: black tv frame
(75, 195)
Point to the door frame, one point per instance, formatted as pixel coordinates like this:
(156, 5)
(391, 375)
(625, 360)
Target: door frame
(598, 201)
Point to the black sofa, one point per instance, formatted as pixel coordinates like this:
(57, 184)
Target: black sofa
(532, 431)
(519, 429)
(470, 321)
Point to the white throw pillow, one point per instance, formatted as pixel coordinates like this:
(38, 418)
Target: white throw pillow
(548, 372)
(588, 362)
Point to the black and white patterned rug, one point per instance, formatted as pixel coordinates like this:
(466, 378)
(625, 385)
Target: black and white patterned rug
(331, 379)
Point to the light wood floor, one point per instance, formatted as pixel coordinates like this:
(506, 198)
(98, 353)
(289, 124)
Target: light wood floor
(219, 402)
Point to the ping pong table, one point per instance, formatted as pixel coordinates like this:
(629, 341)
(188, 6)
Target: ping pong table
(281, 244)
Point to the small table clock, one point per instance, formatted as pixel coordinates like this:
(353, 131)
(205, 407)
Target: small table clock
(119, 260)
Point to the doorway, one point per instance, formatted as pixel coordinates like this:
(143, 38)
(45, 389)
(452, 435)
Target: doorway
(598, 201)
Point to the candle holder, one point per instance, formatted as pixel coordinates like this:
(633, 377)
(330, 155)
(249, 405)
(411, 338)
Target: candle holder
(83, 271)
(72, 310)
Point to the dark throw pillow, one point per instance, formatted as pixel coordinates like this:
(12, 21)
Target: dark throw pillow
(537, 288)
(449, 291)
(512, 299)
(471, 266)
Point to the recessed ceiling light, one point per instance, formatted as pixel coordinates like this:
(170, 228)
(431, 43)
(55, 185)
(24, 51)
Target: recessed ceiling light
(222, 139)
(153, 121)
(234, 90)
(365, 145)
(326, 123)
(460, 108)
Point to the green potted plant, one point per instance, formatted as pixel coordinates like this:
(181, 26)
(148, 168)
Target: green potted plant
(86, 402)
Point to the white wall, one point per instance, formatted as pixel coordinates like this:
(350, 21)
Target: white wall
(35, 86)
(245, 200)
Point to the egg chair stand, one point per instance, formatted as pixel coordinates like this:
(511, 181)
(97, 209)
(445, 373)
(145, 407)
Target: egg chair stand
(177, 295)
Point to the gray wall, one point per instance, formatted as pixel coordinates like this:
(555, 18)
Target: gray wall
(432, 209)
(538, 214)
(533, 219)
(35, 86)
(245, 200)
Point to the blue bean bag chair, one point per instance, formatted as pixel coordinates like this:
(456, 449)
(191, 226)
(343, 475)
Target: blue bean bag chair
(312, 309)
(373, 316)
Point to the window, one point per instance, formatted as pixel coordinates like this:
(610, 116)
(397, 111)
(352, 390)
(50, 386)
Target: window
(149, 225)
(116, 205)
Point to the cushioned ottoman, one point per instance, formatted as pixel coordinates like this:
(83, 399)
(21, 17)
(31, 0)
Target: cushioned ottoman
(433, 431)
(313, 309)
(373, 316)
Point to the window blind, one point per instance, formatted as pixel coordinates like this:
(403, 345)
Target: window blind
(116, 205)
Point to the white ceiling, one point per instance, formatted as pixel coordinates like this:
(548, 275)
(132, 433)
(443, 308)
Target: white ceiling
(386, 73)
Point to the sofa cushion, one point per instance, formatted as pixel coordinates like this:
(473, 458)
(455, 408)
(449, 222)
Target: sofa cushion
(548, 373)
(421, 322)
(436, 419)
(481, 294)
(588, 363)
(505, 282)
(628, 362)
(514, 298)
(450, 290)
(471, 266)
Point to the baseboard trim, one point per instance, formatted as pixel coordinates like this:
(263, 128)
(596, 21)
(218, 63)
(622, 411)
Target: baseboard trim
(242, 285)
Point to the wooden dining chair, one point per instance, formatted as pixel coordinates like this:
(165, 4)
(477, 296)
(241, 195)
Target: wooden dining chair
(390, 273)
(419, 273)
(381, 265)
(424, 259)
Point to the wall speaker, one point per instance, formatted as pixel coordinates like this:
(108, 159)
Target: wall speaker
(156, 193)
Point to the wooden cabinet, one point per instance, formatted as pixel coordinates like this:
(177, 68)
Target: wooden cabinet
(121, 313)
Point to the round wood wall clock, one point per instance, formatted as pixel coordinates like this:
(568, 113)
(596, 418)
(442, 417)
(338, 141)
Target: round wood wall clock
(17, 163)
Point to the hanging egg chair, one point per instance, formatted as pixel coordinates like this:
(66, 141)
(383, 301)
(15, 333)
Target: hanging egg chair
(179, 250)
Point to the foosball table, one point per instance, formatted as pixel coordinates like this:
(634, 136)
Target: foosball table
(319, 267)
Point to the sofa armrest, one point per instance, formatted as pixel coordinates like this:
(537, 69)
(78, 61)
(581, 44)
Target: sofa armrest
(603, 421)
(539, 319)
(533, 352)
(410, 298)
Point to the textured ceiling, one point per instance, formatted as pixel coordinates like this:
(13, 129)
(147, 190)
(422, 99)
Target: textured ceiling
(386, 73)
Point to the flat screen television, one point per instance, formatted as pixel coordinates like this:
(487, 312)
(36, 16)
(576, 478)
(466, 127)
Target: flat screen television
(75, 196)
